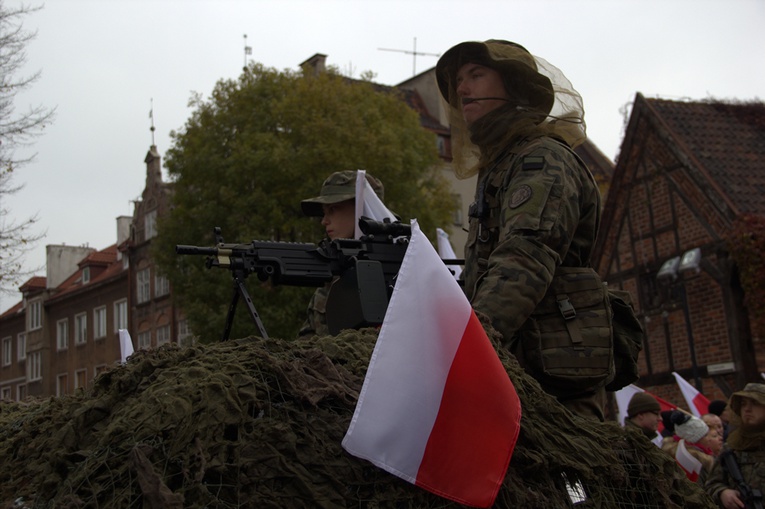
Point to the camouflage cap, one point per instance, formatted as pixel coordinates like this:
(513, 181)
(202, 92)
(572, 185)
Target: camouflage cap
(340, 186)
(752, 391)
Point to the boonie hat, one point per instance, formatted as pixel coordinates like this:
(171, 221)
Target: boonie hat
(514, 63)
(752, 391)
(642, 402)
(338, 187)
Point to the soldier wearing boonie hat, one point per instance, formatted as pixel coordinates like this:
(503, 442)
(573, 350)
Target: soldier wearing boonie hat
(514, 121)
(747, 445)
(336, 206)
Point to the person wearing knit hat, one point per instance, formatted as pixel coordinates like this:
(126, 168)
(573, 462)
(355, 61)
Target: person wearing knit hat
(745, 445)
(697, 439)
(643, 413)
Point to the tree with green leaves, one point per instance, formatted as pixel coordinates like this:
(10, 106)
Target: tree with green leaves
(258, 146)
(17, 129)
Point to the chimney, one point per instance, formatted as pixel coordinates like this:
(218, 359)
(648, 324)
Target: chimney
(61, 262)
(317, 64)
(123, 228)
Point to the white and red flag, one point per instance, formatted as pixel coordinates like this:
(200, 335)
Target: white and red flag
(697, 402)
(623, 397)
(437, 407)
(690, 465)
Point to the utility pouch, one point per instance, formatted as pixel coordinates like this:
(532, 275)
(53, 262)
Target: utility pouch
(628, 340)
(567, 342)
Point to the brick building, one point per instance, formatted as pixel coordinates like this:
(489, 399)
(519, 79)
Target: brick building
(65, 329)
(686, 172)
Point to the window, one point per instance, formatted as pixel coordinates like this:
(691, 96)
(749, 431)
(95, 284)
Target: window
(120, 315)
(163, 335)
(62, 384)
(143, 290)
(161, 286)
(7, 351)
(80, 378)
(150, 225)
(98, 370)
(21, 392)
(62, 334)
(81, 328)
(34, 367)
(34, 315)
(144, 340)
(99, 322)
(21, 344)
(5, 394)
(184, 334)
(86, 275)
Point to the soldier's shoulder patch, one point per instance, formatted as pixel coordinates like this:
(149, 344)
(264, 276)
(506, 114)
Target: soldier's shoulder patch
(533, 163)
(520, 196)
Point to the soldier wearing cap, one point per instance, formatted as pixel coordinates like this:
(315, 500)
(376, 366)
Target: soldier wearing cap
(747, 444)
(515, 119)
(336, 206)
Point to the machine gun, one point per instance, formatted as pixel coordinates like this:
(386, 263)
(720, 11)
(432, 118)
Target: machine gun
(751, 497)
(366, 269)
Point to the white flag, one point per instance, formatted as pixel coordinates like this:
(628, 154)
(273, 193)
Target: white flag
(126, 345)
(446, 252)
(367, 202)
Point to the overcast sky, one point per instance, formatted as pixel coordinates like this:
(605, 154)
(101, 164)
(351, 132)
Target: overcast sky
(104, 61)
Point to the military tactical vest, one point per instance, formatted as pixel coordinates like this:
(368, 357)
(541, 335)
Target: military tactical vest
(567, 342)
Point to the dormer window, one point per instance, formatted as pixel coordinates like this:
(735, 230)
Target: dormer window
(86, 275)
(150, 225)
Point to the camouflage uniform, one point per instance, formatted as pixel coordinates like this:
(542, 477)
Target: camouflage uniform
(748, 444)
(543, 212)
(338, 187)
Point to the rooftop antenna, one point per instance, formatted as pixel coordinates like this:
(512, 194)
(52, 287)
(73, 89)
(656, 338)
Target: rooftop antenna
(151, 116)
(247, 51)
(414, 54)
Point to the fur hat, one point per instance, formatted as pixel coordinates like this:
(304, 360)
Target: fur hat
(691, 429)
(642, 402)
(752, 391)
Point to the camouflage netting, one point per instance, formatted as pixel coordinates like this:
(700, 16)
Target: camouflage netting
(258, 423)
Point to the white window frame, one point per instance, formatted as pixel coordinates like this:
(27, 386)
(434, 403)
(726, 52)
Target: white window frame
(120, 315)
(34, 315)
(150, 225)
(5, 394)
(34, 367)
(143, 285)
(21, 346)
(99, 322)
(62, 379)
(62, 334)
(85, 275)
(80, 328)
(144, 340)
(163, 335)
(161, 285)
(7, 350)
(84, 373)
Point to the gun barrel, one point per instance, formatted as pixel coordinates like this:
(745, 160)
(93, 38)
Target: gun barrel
(195, 250)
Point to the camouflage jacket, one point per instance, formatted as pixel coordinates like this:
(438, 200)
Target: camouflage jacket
(752, 466)
(316, 321)
(537, 209)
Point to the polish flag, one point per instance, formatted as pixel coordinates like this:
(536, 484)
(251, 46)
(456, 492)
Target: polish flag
(368, 203)
(689, 464)
(437, 407)
(697, 402)
(623, 397)
(446, 252)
